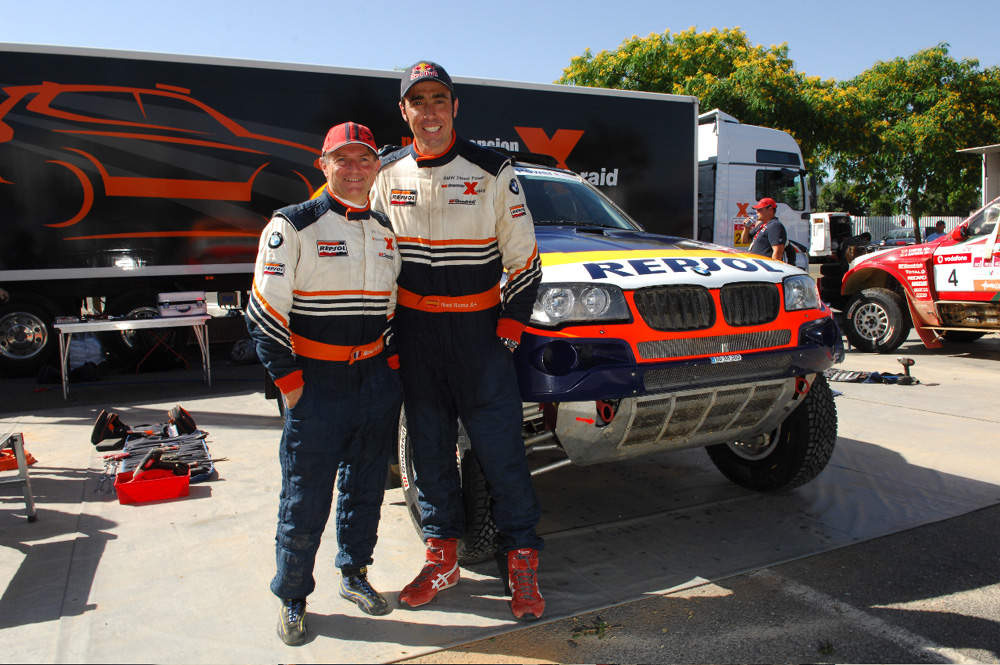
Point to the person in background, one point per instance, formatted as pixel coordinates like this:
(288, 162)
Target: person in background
(323, 297)
(767, 237)
(937, 233)
(460, 216)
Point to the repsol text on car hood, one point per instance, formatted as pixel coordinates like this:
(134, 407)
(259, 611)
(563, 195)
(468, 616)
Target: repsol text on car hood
(633, 259)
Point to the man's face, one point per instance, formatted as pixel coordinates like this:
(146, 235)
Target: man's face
(765, 214)
(430, 111)
(350, 171)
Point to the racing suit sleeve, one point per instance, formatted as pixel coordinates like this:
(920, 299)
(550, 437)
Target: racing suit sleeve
(267, 312)
(519, 253)
(392, 358)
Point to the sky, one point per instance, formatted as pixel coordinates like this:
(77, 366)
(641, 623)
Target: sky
(513, 40)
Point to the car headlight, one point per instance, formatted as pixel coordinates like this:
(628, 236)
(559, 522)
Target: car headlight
(562, 303)
(801, 292)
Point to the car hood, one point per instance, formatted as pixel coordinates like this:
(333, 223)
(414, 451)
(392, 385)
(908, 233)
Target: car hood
(635, 259)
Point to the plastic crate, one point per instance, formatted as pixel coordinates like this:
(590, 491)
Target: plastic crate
(154, 485)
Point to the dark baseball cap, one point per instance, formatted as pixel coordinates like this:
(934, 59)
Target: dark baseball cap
(424, 70)
(346, 133)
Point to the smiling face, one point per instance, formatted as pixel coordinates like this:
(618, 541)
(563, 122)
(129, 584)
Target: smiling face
(430, 111)
(350, 171)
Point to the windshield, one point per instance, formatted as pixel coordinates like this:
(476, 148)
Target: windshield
(984, 221)
(558, 198)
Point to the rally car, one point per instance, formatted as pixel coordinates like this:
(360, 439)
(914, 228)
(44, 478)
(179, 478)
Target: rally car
(640, 343)
(947, 289)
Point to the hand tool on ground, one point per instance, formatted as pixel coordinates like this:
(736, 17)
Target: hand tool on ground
(153, 460)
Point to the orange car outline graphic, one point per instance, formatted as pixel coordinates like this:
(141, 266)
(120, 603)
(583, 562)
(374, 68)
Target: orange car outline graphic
(41, 97)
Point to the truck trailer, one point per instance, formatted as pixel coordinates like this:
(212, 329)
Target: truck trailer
(124, 175)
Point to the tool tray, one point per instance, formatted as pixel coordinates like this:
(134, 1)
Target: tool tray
(192, 449)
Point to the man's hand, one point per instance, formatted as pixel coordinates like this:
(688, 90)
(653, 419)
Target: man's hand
(292, 398)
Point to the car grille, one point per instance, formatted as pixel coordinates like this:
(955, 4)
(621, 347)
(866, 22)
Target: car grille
(749, 304)
(676, 308)
(712, 346)
(670, 378)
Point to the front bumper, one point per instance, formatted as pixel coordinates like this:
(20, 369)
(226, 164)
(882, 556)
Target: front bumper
(554, 369)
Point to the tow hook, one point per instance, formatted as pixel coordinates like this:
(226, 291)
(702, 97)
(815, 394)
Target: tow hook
(801, 386)
(606, 411)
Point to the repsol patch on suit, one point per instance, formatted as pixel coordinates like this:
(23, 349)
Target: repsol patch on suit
(518, 210)
(276, 269)
(331, 247)
(403, 197)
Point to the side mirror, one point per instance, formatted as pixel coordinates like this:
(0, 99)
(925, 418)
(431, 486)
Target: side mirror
(960, 233)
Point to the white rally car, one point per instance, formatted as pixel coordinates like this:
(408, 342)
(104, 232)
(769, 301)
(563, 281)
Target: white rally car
(641, 343)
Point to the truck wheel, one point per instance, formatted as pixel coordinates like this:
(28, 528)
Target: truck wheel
(790, 456)
(27, 338)
(479, 543)
(876, 321)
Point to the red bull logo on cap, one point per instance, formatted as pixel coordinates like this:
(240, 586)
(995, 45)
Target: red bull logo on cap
(421, 70)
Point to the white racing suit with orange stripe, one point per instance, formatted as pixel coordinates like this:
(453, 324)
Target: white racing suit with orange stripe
(324, 292)
(460, 220)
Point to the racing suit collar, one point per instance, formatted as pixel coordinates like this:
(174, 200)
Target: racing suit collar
(423, 160)
(346, 208)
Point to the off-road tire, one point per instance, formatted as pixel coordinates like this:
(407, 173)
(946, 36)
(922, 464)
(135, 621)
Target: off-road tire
(876, 320)
(804, 444)
(479, 542)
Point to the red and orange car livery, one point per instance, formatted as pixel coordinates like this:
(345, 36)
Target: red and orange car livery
(948, 289)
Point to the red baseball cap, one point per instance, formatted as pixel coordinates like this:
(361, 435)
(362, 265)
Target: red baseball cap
(766, 202)
(347, 133)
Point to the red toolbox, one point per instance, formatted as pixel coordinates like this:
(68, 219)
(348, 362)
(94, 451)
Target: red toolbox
(154, 485)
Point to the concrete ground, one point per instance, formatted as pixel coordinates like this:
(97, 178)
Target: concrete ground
(928, 594)
(185, 581)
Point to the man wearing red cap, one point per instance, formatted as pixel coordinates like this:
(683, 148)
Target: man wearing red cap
(769, 235)
(460, 217)
(324, 293)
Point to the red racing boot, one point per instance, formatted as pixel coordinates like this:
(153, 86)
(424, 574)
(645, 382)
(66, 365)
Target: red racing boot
(440, 572)
(526, 600)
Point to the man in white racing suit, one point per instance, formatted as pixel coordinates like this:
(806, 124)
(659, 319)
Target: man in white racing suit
(460, 218)
(324, 293)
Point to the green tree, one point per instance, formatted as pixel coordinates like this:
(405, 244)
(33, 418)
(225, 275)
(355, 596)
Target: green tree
(841, 196)
(908, 117)
(757, 84)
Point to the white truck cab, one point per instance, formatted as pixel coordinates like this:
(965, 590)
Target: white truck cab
(740, 164)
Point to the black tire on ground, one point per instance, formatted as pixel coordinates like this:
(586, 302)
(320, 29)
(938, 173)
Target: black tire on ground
(793, 454)
(961, 335)
(876, 320)
(27, 338)
(479, 543)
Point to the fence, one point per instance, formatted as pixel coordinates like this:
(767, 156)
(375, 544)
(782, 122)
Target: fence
(880, 226)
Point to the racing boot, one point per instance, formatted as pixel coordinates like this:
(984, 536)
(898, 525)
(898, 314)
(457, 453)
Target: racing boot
(526, 600)
(440, 572)
(354, 586)
(292, 621)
